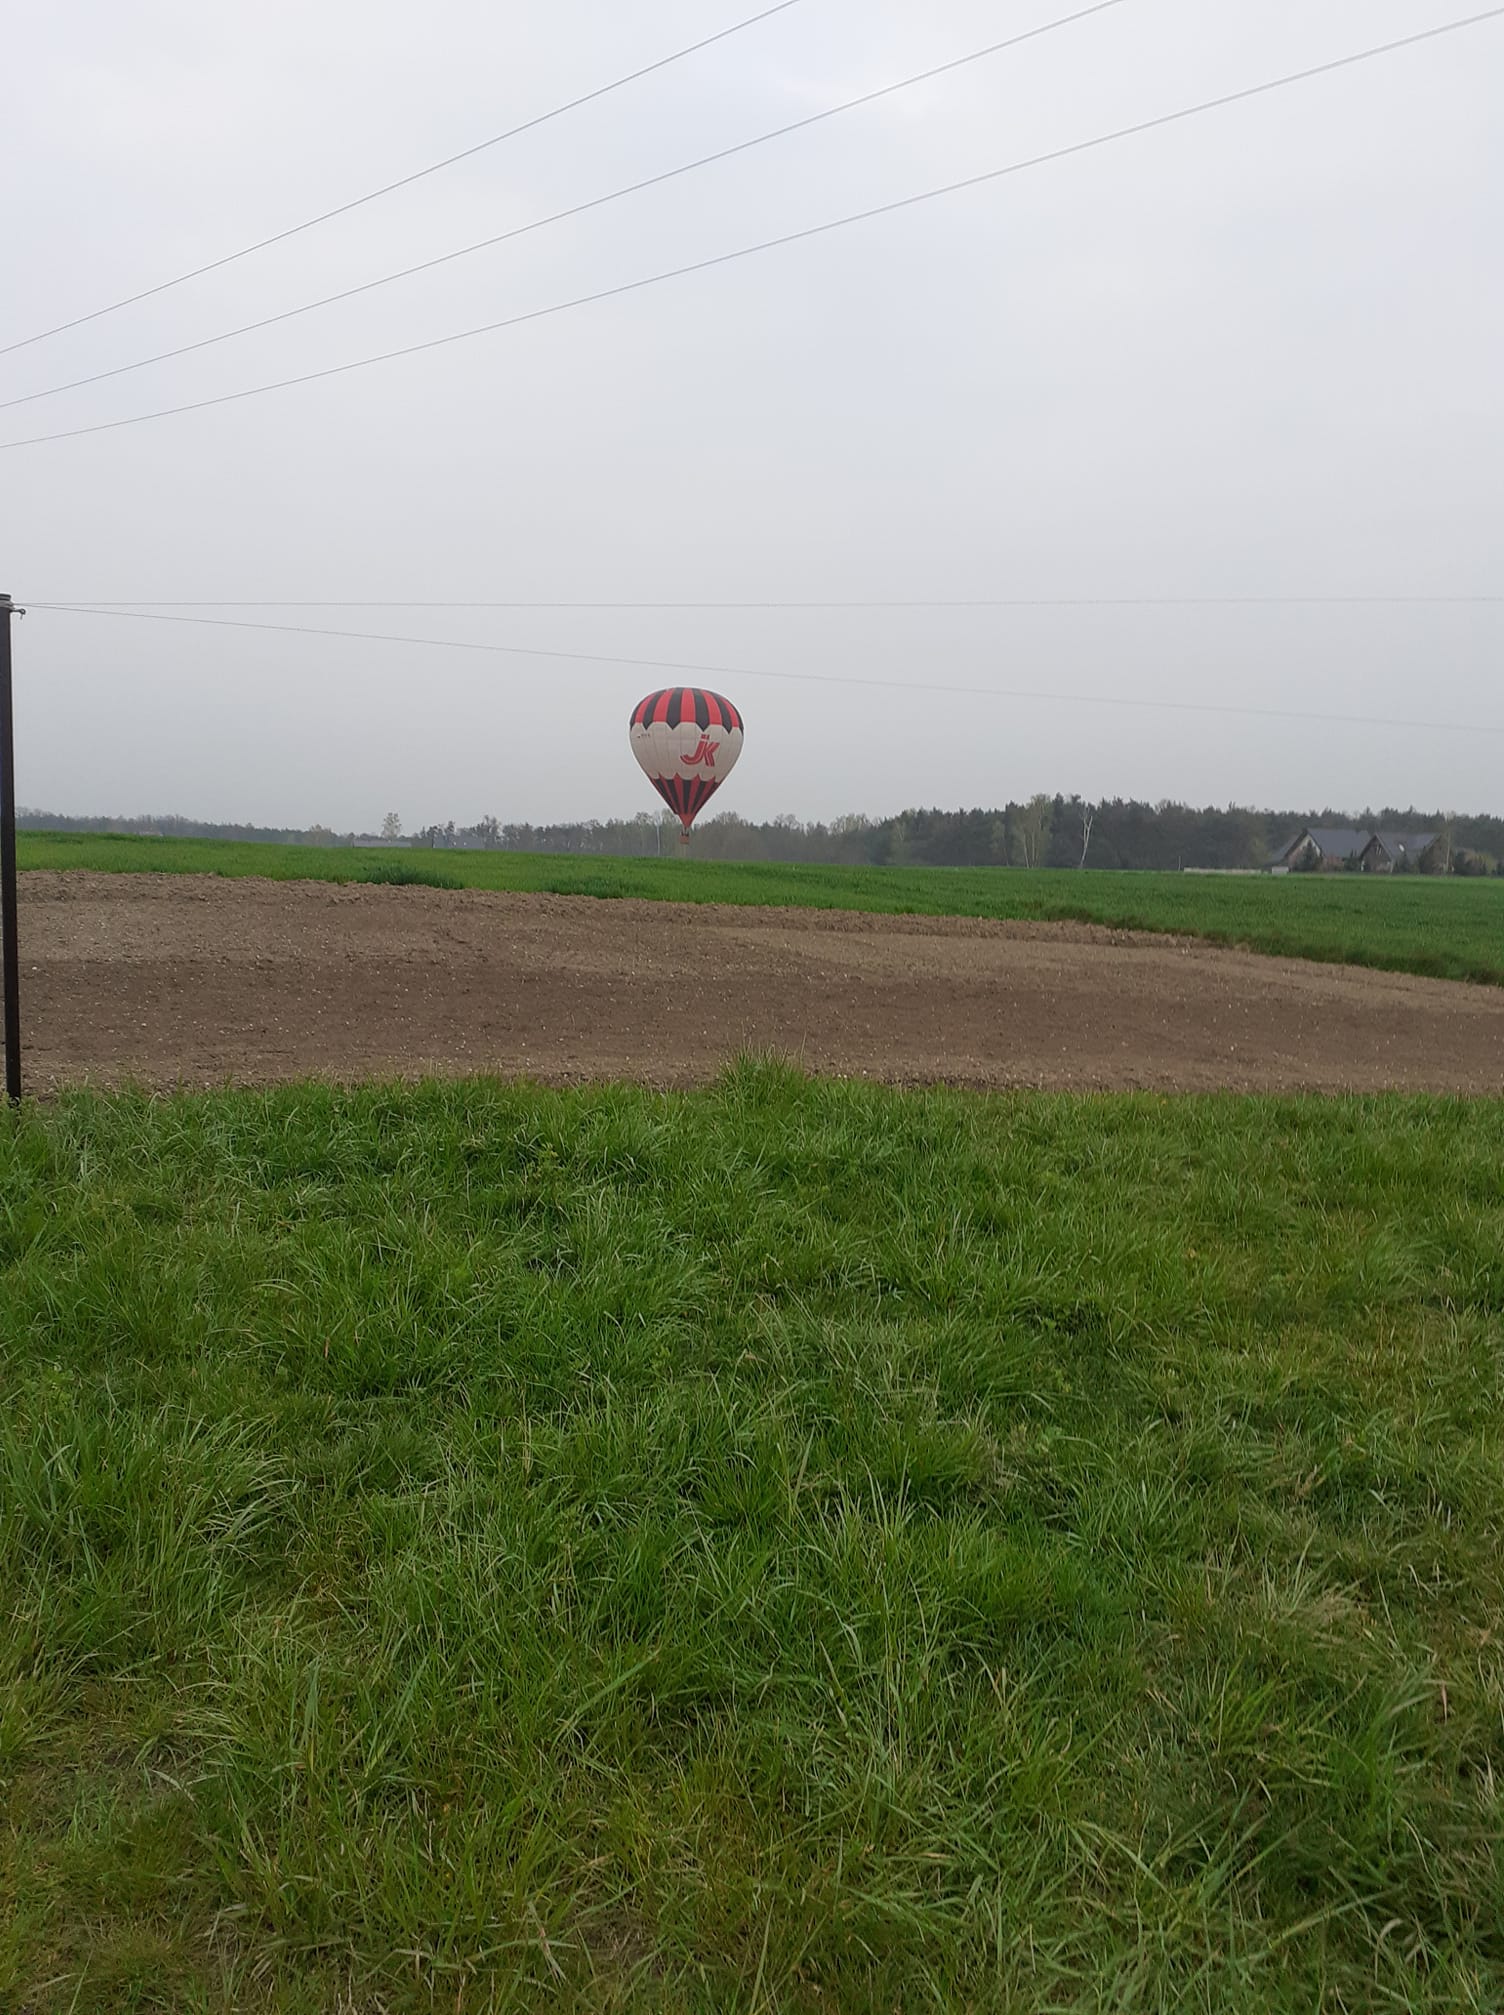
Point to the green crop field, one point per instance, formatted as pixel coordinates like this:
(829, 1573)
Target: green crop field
(1450, 929)
(787, 1547)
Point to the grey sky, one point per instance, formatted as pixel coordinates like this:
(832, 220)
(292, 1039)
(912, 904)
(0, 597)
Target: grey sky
(1253, 354)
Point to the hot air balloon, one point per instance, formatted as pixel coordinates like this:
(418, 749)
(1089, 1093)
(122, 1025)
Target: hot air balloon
(687, 742)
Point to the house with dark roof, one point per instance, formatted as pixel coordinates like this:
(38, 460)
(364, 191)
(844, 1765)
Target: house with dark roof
(1387, 851)
(1373, 853)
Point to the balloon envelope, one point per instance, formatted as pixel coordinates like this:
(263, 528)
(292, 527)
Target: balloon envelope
(687, 742)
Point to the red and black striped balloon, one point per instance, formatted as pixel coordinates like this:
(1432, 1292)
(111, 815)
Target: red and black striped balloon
(687, 741)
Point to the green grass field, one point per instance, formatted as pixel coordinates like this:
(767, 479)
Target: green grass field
(788, 1547)
(1448, 929)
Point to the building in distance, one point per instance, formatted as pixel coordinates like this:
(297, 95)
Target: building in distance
(1324, 848)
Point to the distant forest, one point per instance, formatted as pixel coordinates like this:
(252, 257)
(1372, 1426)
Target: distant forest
(1057, 832)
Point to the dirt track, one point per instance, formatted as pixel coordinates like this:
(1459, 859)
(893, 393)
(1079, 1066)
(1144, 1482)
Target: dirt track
(168, 980)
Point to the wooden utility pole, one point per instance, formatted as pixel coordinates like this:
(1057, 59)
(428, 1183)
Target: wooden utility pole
(10, 944)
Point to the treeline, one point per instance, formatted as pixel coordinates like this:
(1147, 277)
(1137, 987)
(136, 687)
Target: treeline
(1058, 832)
(169, 825)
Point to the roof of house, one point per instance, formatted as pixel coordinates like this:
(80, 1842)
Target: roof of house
(1336, 842)
(1413, 844)
(1339, 843)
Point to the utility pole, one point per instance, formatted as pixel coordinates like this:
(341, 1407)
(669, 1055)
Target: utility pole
(10, 944)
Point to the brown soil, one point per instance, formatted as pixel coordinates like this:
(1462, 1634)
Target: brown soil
(180, 980)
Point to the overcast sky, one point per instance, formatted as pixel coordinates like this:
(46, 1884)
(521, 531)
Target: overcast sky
(1256, 353)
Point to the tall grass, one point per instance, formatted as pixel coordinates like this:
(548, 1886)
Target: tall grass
(788, 1547)
(402, 872)
(1445, 928)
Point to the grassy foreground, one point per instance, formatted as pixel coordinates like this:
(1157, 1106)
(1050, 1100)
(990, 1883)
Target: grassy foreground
(787, 1547)
(1409, 923)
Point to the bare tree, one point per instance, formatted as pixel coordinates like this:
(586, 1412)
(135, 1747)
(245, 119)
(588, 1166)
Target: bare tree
(1033, 822)
(1088, 819)
(391, 827)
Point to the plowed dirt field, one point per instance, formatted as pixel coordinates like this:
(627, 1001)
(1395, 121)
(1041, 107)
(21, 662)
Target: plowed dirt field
(185, 980)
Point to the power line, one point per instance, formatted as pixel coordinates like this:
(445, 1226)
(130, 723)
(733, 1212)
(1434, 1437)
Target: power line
(406, 181)
(574, 210)
(793, 678)
(810, 231)
(964, 602)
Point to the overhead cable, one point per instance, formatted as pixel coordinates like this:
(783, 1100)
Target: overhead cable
(574, 210)
(885, 602)
(804, 235)
(617, 658)
(406, 181)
